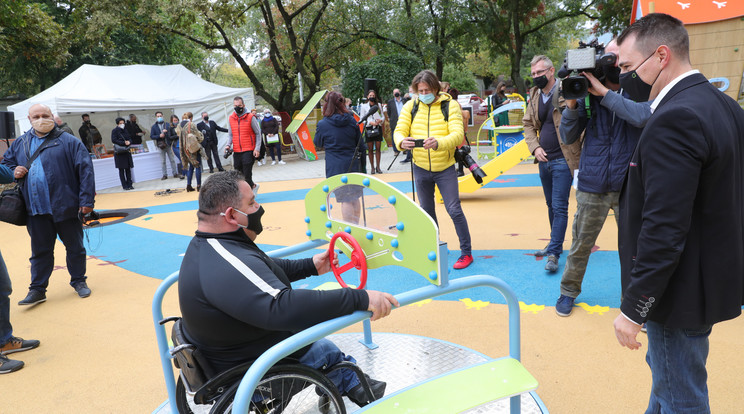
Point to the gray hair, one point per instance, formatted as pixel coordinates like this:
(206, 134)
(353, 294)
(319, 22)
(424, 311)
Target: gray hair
(219, 191)
(538, 58)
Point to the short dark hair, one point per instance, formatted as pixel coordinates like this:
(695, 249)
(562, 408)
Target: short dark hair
(218, 192)
(335, 104)
(84, 115)
(429, 78)
(656, 29)
(158, 112)
(238, 98)
(119, 119)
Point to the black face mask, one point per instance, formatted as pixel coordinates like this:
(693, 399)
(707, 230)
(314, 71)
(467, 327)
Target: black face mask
(239, 110)
(637, 89)
(612, 73)
(541, 81)
(397, 94)
(254, 220)
(372, 100)
(206, 118)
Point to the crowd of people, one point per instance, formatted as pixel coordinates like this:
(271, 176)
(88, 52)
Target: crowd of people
(654, 141)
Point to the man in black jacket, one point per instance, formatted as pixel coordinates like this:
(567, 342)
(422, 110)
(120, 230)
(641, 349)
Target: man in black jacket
(237, 302)
(394, 106)
(135, 131)
(209, 130)
(681, 237)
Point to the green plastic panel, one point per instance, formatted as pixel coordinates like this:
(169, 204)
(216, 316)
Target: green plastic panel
(305, 112)
(397, 231)
(461, 390)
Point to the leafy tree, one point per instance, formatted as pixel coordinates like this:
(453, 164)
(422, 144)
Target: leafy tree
(31, 43)
(431, 30)
(391, 71)
(459, 78)
(508, 25)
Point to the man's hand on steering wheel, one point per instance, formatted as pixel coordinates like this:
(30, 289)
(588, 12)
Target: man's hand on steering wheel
(381, 304)
(322, 263)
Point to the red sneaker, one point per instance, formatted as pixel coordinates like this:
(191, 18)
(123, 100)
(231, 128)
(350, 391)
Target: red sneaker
(463, 262)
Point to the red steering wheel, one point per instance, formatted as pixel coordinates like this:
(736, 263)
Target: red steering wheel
(357, 259)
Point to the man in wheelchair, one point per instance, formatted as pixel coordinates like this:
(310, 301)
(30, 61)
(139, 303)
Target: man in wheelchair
(236, 302)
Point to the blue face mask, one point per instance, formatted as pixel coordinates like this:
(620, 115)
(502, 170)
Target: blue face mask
(427, 99)
(160, 119)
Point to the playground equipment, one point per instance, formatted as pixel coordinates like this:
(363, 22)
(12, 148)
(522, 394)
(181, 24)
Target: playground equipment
(374, 225)
(300, 132)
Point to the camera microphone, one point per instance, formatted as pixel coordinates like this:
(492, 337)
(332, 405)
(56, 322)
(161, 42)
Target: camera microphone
(372, 111)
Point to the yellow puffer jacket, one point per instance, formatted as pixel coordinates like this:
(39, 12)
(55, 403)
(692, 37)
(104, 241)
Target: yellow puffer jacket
(430, 122)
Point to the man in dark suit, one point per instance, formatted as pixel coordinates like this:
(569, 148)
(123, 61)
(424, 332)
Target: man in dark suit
(209, 130)
(681, 237)
(394, 106)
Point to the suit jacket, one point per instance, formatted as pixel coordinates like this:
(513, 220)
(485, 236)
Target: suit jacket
(210, 134)
(681, 234)
(392, 113)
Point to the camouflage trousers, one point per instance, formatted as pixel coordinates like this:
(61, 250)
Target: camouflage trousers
(591, 213)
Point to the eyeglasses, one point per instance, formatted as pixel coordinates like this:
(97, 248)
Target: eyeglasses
(539, 73)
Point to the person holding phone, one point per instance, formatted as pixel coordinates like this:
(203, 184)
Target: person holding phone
(430, 126)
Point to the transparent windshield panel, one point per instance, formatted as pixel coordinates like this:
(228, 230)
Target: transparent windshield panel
(360, 206)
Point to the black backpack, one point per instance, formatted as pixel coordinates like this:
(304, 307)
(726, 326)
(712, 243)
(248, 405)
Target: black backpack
(444, 106)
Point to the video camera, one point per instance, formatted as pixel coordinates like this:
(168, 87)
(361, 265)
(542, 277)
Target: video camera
(462, 155)
(588, 57)
(228, 152)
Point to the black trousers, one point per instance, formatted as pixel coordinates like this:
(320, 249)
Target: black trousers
(243, 162)
(43, 231)
(210, 148)
(125, 176)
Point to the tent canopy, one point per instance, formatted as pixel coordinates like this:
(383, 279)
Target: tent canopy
(93, 88)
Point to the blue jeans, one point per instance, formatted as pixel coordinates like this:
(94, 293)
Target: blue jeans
(556, 181)
(446, 180)
(6, 330)
(325, 354)
(677, 360)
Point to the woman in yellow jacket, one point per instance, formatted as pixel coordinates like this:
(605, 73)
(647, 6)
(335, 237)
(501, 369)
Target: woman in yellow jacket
(433, 142)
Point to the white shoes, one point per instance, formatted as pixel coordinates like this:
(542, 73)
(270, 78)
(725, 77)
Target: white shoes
(273, 162)
(281, 162)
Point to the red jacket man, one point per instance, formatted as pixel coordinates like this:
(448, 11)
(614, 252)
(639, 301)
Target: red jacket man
(244, 128)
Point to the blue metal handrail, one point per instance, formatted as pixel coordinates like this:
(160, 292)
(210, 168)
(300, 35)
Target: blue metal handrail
(321, 330)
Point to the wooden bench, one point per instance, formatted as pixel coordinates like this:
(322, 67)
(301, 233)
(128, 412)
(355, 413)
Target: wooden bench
(461, 390)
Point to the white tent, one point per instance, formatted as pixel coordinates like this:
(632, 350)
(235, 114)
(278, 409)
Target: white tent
(106, 92)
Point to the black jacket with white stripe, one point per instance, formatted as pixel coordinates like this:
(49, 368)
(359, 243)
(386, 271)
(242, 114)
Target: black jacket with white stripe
(237, 302)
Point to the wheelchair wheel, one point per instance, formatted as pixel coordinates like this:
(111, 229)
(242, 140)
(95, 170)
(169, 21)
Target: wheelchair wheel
(185, 401)
(290, 389)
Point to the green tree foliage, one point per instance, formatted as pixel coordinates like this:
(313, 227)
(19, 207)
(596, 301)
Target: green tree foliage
(43, 41)
(459, 78)
(508, 25)
(391, 71)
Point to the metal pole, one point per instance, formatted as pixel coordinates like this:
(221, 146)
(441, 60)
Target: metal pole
(299, 81)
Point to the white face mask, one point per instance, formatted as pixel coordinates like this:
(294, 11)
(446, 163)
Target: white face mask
(43, 125)
(121, 126)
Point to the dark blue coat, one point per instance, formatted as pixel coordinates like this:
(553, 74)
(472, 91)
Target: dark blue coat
(69, 172)
(609, 140)
(340, 136)
(123, 160)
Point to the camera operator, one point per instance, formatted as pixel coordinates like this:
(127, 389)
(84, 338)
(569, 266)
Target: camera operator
(557, 160)
(432, 133)
(611, 130)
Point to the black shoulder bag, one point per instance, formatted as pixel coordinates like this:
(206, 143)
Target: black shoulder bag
(12, 205)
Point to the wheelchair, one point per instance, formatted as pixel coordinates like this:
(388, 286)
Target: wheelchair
(288, 387)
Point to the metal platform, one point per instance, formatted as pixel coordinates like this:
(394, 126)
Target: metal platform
(403, 360)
